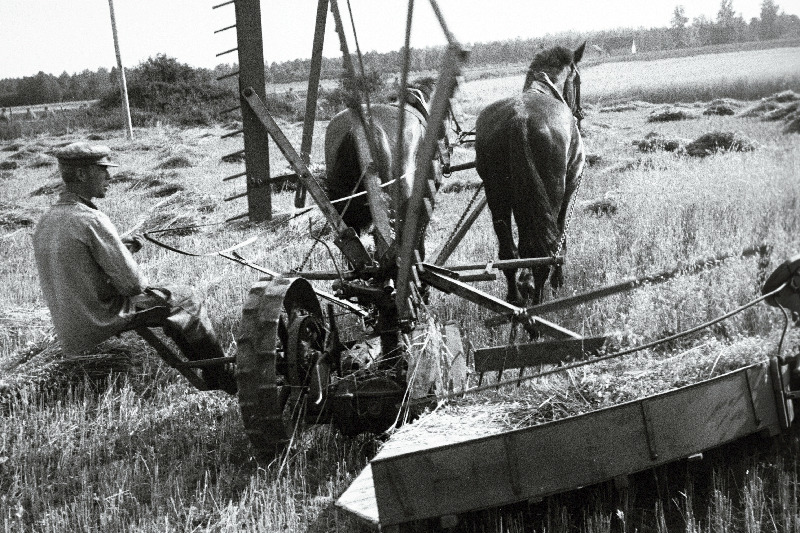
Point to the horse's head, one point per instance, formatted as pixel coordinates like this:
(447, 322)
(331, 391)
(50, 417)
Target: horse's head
(561, 66)
(418, 94)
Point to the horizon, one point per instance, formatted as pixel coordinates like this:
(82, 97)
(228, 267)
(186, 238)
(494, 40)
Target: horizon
(287, 38)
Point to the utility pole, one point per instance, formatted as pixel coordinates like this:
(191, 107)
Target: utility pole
(122, 83)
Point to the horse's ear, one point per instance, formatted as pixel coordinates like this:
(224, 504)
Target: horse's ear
(577, 55)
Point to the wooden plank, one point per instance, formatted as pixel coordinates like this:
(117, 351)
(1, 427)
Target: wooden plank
(574, 452)
(251, 75)
(536, 353)
(359, 498)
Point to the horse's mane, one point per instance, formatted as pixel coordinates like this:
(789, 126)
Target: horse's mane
(425, 84)
(417, 94)
(550, 61)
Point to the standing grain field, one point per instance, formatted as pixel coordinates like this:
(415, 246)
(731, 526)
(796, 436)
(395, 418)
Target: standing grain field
(140, 450)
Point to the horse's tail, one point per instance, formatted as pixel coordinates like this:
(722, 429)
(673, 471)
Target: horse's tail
(538, 208)
(343, 181)
(347, 168)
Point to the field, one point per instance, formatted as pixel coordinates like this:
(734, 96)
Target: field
(140, 450)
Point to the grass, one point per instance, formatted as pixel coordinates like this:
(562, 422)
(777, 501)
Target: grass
(142, 451)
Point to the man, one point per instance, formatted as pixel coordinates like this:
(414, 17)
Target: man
(91, 282)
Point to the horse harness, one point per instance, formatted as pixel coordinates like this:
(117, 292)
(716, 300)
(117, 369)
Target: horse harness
(544, 82)
(416, 105)
(577, 112)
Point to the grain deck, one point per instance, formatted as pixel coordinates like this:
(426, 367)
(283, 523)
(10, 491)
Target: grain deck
(447, 473)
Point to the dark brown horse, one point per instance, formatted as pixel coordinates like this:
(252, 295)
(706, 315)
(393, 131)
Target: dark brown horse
(347, 150)
(529, 154)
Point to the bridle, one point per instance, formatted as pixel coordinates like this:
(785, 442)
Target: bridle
(574, 100)
(577, 110)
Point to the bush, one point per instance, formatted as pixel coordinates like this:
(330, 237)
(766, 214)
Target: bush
(351, 91)
(164, 88)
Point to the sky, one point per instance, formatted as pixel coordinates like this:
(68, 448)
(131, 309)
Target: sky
(73, 35)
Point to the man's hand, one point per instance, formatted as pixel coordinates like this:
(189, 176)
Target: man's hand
(133, 243)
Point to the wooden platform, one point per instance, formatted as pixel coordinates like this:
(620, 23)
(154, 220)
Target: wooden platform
(404, 485)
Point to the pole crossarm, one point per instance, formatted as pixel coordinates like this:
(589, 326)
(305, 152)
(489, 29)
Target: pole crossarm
(347, 240)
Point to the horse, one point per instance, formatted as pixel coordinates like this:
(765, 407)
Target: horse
(529, 155)
(347, 151)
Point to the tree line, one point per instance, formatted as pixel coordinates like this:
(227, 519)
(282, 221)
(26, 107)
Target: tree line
(727, 27)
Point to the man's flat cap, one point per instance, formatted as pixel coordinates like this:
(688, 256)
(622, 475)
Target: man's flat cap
(83, 153)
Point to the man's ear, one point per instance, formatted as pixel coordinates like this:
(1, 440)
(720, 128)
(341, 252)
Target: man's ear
(81, 174)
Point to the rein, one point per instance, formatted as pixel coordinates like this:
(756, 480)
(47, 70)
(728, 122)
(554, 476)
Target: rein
(576, 83)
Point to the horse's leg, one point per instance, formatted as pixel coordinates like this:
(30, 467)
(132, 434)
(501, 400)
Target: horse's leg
(499, 199)
(535, 290)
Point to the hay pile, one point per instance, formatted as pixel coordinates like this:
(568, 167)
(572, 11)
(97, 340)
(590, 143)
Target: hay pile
(606, 205)
(722, 107)
(625, 106)
(792, 125)
(167, 190)
(669, 114)
(13, 217)
(783, 106)
(28, 152)
(654, 142)
(42, 160)
(125, 176)
(53, 187)
(149, 180)
(572, 393)
(44, 367)
(183, 210)
(718, 141)
(783, 112)
(593, 160)
(236, 157)
(175, 161)
(719, 109)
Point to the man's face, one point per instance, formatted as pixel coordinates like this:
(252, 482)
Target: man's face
(97, 181)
